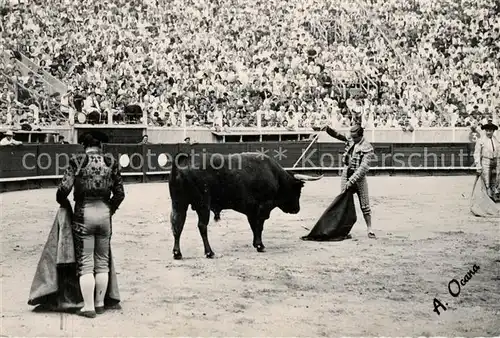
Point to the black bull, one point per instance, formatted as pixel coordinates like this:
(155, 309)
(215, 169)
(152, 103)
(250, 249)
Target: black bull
(250, 183)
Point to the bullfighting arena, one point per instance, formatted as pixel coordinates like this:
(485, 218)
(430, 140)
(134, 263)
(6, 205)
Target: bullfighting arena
(359, 287)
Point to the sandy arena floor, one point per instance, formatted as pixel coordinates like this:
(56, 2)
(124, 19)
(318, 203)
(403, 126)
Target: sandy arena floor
(359, 287)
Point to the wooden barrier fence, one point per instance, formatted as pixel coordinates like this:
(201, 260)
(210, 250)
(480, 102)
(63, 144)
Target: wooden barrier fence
(48, 161)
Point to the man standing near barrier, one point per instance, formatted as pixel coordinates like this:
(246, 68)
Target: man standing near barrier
(356, 160)
(487, 160)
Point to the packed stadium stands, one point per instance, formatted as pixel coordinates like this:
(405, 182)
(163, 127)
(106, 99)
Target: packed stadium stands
(257, 64)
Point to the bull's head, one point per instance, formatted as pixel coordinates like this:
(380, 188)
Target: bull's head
(290, 199)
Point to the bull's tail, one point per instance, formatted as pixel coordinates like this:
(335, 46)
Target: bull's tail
(189, 186)
(216, 216)
(175, 173)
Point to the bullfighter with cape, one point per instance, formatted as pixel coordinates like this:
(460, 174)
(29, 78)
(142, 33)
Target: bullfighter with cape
(339, 218)
(76, 263)
(55, 286)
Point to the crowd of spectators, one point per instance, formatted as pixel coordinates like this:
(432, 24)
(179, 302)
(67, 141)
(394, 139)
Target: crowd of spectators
(265, 63)
(24, 100)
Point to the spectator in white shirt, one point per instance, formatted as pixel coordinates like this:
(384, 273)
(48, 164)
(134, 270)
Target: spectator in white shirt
(8, 140)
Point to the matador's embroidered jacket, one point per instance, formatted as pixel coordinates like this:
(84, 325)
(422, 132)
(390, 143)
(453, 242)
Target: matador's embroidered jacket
(356, 158)
(95, 177)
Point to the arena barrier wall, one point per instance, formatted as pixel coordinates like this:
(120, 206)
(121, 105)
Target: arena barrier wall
(157, 135)
(29, 165)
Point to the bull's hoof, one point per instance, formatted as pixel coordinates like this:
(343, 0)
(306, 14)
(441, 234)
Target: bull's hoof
(260, 248)
(177, 255)
(210, 254)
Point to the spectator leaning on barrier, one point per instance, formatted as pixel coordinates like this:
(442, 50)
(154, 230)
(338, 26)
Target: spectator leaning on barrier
(62, 140)
(145, 140)
(8, 140)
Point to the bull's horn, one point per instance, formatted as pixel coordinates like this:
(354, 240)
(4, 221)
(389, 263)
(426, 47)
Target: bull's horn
(307, 177)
